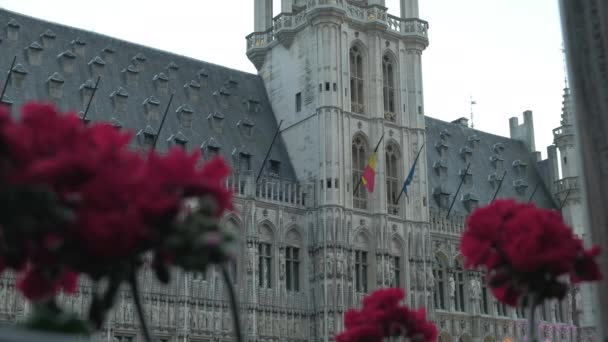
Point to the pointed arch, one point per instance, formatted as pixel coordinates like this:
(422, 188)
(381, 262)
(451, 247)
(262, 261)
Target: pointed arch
(293, 236)
(359, 156)
(266, 231)
(357, 57)
(389, 84)
(459, 278)
(293, 246)
(393, 171)
(396, 254)
(465, 338)
(362, 253)
(440, 267)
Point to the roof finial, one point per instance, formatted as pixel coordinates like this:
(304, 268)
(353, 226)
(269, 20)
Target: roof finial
(472, 102)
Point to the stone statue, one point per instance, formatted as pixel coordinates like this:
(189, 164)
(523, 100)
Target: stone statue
(420, 278)
(475, 286)
(430, 280)
(340, 265)
(282, 269)
(412, 277)
(452, 288)
(329, 266)
(250, 260)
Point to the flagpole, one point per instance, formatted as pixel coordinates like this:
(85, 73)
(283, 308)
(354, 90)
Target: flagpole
(361, 178)
(162, 122)
(10, 72)
(499, 186)
(458, 190)
(561, 206)
(413, 165)
(86, 111)
(268, 152)
(534, 192)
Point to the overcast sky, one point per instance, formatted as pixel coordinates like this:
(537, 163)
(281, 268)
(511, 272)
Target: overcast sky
(505, 53)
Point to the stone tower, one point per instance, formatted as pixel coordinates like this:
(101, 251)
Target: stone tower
(568, 192)
(341, 75)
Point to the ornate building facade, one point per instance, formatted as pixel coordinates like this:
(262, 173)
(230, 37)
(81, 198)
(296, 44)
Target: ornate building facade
(340, 79)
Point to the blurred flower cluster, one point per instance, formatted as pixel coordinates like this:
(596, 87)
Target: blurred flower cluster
(75, 200)
(527, 251)
(382, 317)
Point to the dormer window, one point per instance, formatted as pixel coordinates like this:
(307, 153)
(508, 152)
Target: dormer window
(131, 74)
(216, 120)
(34, 53)
(178, 139)
(151, 106)
(55, 84)
(442, 148)
(161, 81)
(444, 134)
(192, 89)
(78, 45)
(246, 125)
(66, 59)
(244, 162)
(97, 64)
(466, 153)
(12, 30)
(495, 178)
(497, 162)
(138, 60)
(520, 186)
(519, 167)
(108, 53)
(442, 197)
(119, 98)
(19, 73)
(253, 105)
(185, 115)
(441, 168)
(212, 151)
(86, 90)
(498, 148)
(274, 167)
(467, 178)
(210, 148)
(473, 141)
(470, 201)
(146, 137)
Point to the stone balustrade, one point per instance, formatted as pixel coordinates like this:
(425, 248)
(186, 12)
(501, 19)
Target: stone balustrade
(356, 12)
(566, 184)
(272, 190)
(563, 131)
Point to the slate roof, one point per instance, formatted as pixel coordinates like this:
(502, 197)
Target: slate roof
(485, 149)
(60, 64)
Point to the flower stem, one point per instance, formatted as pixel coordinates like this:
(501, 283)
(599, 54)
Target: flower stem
(233, 305)
(138, 306)
(532, 303)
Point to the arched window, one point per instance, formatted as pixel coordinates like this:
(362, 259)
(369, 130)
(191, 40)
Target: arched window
(292, 261)
(361, 263)
(439, 272)
(265, 257)
(233, 265)
(459, 279)
(485, 308)
(359, 160)
(395, 262)
(356, 80)
(392, 182)
(388, 77)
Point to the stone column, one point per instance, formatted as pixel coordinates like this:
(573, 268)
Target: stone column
(585, 28)
(262, 19)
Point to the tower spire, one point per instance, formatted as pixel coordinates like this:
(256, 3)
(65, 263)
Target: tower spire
(472, 103)
(565, 66)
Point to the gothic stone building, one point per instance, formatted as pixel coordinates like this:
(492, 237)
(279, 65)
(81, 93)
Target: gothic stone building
(339, 75)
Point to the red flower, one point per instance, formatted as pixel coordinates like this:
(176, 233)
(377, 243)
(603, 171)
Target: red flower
(382, 317)
(38, 284)
(526, 250)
